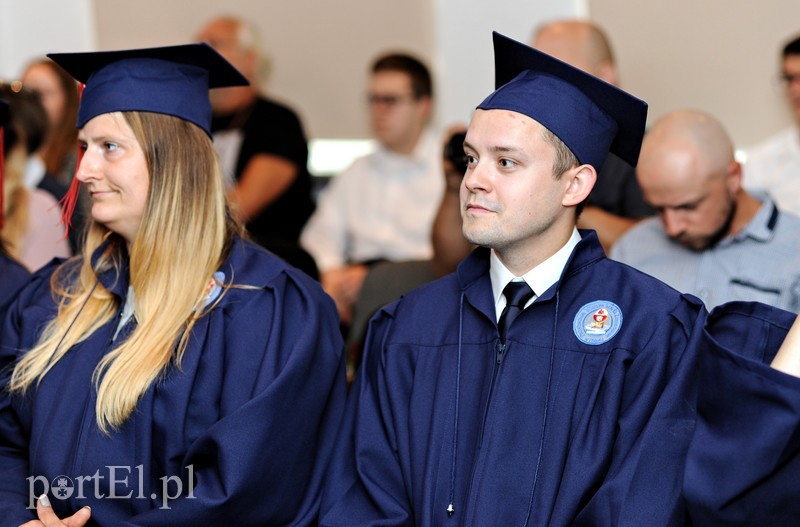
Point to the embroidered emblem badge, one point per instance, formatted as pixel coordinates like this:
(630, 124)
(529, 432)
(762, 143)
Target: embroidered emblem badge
(597, 322)
(214, 288)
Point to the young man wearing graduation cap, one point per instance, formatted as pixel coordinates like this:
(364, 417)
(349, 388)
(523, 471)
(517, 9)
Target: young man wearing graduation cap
(174, 373)
(543, 384)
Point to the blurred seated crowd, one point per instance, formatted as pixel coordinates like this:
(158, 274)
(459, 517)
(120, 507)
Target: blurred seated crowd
(689, 214)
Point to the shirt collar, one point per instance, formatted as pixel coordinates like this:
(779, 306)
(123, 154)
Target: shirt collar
(419, 156)
(762, 226)
(540, 278)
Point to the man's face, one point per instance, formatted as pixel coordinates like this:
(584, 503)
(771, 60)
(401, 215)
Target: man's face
(695, 205)
(510, 199)
(396, 115)
(791, 77)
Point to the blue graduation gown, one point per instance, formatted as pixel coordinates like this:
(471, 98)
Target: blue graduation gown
(13, 277)
(559, 425)
(246, 424)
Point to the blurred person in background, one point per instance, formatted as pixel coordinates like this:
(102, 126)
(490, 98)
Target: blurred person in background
(32, 231)
(774, 164)
(616, 202)
(263, 147)
(712, 238)
(58, 92)
(381, 208)
(13, 275)
(53, 165)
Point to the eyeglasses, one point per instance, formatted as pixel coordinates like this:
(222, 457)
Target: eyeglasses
(389, 101)
(789, 78)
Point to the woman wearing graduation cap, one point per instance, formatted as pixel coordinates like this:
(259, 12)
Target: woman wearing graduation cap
(174, 374)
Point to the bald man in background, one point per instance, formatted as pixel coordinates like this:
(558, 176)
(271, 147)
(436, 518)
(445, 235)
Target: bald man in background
(711, 238)
(616, 202)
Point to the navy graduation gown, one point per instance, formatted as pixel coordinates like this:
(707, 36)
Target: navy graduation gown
(245, 427)
(563, 424)
(13, 277)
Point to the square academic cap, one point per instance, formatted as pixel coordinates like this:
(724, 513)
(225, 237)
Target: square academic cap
(172, 80)
(589, 115)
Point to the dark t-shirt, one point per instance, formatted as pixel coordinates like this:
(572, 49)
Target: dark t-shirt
(617, 191)
(274, 129)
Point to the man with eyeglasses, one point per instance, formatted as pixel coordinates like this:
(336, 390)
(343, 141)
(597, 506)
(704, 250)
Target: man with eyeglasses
(775, 163)
(712, 238)
(382, 206)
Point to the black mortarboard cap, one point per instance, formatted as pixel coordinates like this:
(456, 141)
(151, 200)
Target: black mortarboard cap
(589, 115)
(172, 80)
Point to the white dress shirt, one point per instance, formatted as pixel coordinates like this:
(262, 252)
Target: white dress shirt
(381, 207)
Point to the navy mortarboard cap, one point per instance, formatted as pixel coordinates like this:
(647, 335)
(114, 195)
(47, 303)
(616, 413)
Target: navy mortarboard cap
(589, 115)
(172, 80)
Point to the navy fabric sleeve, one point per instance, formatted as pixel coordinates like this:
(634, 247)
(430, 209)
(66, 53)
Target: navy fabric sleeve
(15, 500)
(744, 460)
(366, 483)
(263, 462)
(13, 277)
(643, 483)
(260, 399)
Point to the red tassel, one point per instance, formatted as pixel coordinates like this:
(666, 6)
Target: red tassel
(70, 199)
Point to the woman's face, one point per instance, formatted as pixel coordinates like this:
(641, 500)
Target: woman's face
(114, 170)
(41, 79)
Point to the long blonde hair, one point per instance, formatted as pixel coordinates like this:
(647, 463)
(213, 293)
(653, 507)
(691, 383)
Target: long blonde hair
(184, 235)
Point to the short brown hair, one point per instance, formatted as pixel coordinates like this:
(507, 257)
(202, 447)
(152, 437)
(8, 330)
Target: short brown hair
(564, 161)
(421, 83)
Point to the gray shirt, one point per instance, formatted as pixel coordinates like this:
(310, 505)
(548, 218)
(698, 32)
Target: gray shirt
(761, 262)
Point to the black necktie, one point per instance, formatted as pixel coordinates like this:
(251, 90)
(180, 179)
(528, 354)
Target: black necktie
(517, 295)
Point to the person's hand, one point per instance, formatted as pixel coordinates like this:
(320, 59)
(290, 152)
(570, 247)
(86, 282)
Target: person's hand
(48, 518)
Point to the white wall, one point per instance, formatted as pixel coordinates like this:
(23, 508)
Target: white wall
(465, 60)
(718, 55)
(31, 28)
(721, 56)
(321, 51)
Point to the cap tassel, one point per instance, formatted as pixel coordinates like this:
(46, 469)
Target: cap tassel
(70, 200)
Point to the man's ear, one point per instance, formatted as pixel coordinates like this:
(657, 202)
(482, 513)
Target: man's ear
(579, 182)
(734, 178)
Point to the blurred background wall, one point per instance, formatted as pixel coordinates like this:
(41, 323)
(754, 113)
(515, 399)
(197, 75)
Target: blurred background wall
(717, 55)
